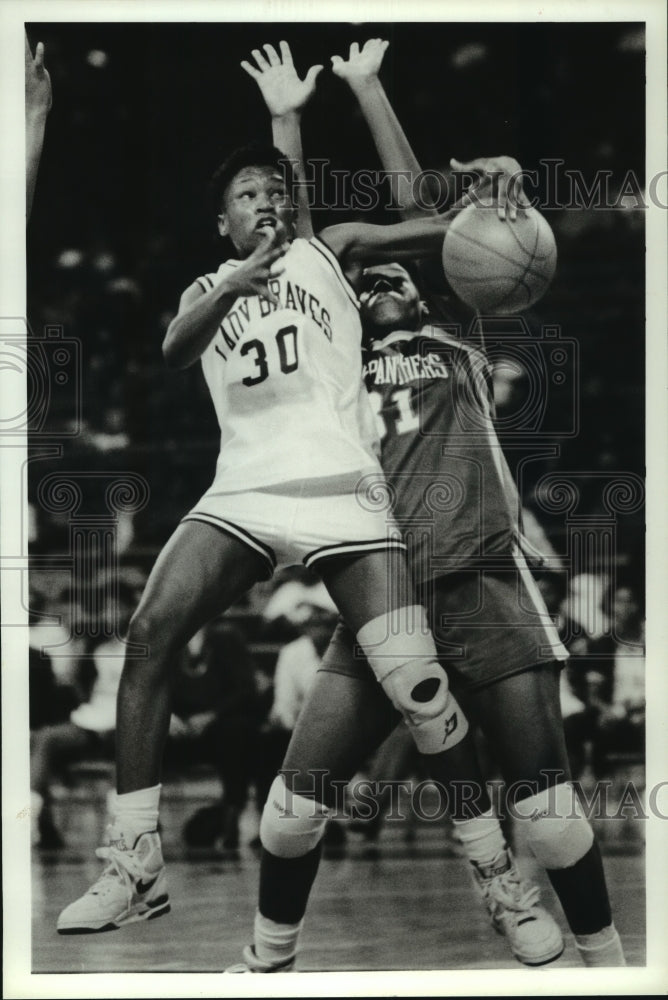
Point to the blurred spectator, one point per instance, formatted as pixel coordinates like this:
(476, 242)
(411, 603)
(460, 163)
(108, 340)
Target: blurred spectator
(295, 671)
(88, 732)
(50, 637)
(618, 695)
(51, 693)
(294, 598)
(583, 606)
(217, 712)
(603, 685)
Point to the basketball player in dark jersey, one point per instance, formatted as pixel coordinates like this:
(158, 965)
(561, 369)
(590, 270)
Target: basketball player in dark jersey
(451, 492)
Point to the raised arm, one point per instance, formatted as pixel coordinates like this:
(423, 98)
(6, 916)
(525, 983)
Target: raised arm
(357, 244)
(492, 179)
(285, 96)
(38, 104)
(360, 71)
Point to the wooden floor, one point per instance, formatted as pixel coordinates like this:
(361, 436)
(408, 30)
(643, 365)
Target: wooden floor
(408, 905)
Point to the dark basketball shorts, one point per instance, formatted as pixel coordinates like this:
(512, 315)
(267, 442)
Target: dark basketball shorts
(487, 625)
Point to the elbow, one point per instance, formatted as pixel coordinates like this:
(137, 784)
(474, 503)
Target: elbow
(169, 354)
(172, 356)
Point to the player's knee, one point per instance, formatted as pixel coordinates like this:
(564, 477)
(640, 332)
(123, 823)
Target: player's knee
(291, 824)
(419, 689)
(420, 692)
(151, 626)
(401, 652)
(558, 833)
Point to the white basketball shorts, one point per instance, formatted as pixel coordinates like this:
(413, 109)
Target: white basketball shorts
(301, 523)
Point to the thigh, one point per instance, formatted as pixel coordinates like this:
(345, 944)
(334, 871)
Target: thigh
(521, 719)
(343, 721)
(198, 574)
(488, 625)
(367, 586)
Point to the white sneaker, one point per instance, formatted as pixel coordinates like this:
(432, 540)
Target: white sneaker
(252, 963)
(132, 887)
(533, 935)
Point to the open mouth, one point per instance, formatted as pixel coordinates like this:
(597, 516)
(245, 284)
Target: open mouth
(267, 223)
(380, 289)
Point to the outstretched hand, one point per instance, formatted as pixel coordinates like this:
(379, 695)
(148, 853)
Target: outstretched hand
(37, 81)
(499, 180)
(252, 276)
(361, 67)
(276, 76)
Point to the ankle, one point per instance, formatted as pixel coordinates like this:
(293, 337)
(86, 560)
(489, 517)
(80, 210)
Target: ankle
(275, 942)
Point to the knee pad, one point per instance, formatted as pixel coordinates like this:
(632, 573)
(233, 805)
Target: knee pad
(401, 652)
(558, 833)
(291, 824)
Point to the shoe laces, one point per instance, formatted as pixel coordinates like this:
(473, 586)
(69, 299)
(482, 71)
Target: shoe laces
(508, 891)
(122, 866)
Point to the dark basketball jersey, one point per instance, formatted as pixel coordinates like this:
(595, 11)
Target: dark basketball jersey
(451, 489)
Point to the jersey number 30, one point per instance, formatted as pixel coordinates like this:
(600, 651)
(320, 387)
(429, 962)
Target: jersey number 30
(288, 358)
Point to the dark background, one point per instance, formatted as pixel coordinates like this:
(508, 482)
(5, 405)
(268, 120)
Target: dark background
(142, 115)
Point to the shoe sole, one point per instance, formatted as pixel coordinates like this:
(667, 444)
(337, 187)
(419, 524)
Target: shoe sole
(534, 961)
(275, 970)
(159, 908)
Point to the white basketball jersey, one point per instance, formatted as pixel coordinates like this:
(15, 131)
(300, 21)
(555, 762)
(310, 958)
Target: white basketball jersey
(286, 381)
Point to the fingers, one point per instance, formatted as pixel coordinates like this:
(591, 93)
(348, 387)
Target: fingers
(500, 179)
(337, 63)
(286, 54)
(39, 55)
(276, 270)
(267, 241)
(259, 59)
(272, 55)
(354, 50)
(251, 70)
(477, 164)
(269, 248)
(373, 43)
(312, 75)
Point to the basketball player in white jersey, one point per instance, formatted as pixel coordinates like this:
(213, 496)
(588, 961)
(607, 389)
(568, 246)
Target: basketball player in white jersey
(278, 334)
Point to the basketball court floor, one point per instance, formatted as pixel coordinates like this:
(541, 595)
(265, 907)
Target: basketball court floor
(406, 903)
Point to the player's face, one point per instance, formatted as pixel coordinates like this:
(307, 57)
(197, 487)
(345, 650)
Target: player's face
(389, 299)
(256, 200)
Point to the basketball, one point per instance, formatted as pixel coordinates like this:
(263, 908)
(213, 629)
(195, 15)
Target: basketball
(499, 266)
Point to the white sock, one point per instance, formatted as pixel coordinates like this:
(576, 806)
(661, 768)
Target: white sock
(602, 949)
(275, 942)
(137, 811)
(481, 837)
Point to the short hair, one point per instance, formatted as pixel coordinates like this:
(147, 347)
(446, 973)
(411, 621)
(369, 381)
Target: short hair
(252, 155)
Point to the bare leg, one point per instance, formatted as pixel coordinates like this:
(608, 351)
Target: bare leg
(368, 587)
(342, 722)
(200, 572)
(521, 718)
(530, 747)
